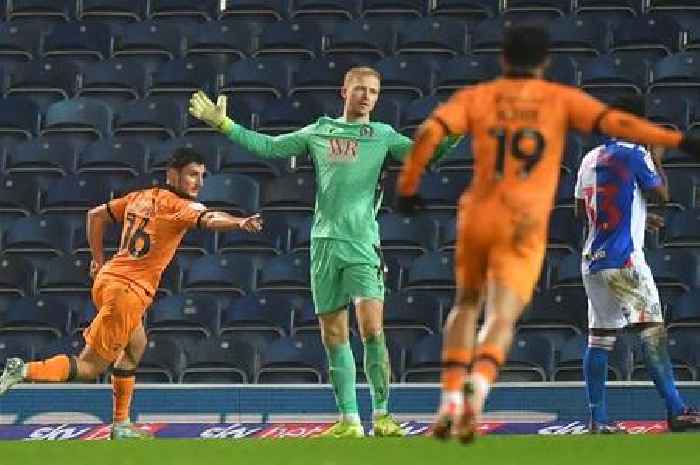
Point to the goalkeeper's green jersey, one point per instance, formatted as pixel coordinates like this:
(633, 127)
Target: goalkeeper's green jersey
(348, 158)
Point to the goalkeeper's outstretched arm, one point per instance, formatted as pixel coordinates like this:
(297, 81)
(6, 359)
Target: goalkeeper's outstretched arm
(263, 145)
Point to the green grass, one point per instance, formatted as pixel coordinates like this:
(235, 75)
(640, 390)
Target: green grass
(676, 449)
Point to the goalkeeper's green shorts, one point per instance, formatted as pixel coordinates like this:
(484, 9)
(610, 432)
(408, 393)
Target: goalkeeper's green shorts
(344, 270)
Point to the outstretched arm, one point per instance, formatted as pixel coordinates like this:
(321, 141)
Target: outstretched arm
(221, 221)
(262, 145)
(428, 137)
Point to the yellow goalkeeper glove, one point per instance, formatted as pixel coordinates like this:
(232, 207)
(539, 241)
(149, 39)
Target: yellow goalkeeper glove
(213, 115)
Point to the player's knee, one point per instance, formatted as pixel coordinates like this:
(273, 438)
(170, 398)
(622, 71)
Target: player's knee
(653, 332)
(89, 370)
(333, 335)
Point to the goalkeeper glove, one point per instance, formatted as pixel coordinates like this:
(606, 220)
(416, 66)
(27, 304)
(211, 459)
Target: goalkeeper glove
(213, 115)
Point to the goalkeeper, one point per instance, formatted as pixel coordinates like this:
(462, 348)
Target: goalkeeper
(346, 267)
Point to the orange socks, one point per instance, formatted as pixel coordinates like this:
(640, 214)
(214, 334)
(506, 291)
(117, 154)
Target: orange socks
(122, 392)
(455, 363)
(56, 369)
(487, 362)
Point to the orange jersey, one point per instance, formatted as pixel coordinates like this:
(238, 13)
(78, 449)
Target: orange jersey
(155, 220)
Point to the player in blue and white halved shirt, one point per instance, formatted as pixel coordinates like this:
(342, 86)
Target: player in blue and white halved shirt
(613, 182)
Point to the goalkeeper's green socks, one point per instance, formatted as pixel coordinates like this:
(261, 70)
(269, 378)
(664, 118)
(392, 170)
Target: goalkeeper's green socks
(377, 370)
(341, 368)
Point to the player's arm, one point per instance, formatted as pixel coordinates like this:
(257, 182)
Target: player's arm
(651, 176)
(222, 221)
(400, 147)
(262, 145)
(97, 219)
(450, 118)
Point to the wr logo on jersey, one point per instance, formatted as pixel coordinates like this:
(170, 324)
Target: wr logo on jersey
(342, 150)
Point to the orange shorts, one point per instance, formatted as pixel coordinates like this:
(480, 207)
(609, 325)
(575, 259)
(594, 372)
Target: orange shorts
(496, 245)
(120, 307)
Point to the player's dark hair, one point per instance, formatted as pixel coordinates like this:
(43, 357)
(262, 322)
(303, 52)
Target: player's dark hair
(525, 46)
(635, 104)
(183, 156)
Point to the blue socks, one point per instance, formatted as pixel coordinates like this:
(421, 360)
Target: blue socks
(658, 363)
(595, 369)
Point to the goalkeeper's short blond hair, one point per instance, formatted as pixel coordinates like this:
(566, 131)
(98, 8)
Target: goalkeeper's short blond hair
(359, 71)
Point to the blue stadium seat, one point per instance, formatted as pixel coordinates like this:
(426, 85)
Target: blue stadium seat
(39, 314)
(300, 224)
(162, 361)
(113, 11)
(432, 271)
(676, 75)
(325, 9)
(231, 192)
(288, 360)
(564, 309)
(569, 366)
(237, 159)
(190, 313)
(564, 230)
(682, 186)
(288, 272)
(110, 241)
(614, 73)
(183, 9)
(227, 360)
(406, 77)
(669, 7)
(112, 155)
(160, 153)
(291, 40)
(407, 232)
(149, 42)
(83, 312)
(567, 272)
(35, 9)
(468, 10)
(323, 76)
(65, 274)
(577, 37)
(432, 36)
(683, 229)
(18, 42)
(81, 41)
(263, 76)
(149, 119)
(18, 196)
(673, 268)
(179, 78)
(45, 235)
(229, 273)
(685, 310)
(45, 81)
(412, 311)
(463, 71)
(531, 358)
(15, 346)
(16, 275)
(259, 312)
(144, 181)
(295, 192)
(289, 114)
(77, 193)
(394, 9)
(562, 69)
(424, 360)
(69, 345)
(441, 191)
(573, 153)
(606, 9)
(113, 81)
(80, 116)
(306, 321)
(565, 190)
(363, 39)
(487, 35)
(19, 118)
(670, 111)
(273, 239)
(257, 10)
(225, 40)
(649, 36)
(536, 10)
(41, 156)
(386, 111)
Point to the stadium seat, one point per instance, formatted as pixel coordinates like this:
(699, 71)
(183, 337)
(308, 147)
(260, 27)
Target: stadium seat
(216, 360)
(463, 71)
(405, 78)
(684, 7)
(113, 81)
(676, 75)
(289, 114)
(19, 118)
(415, 112)
(685, 310)
(441, 191)
(16, 275)
(289, 40)
(18, 42)
(41, 156)
(230, 273)
(432, 37)
(46, 235)
(45, 81)
(80, 116)
(17, 196)
(288, 360)
(237, 159)
(149, 42)
(162, 361)
(144, 181)
(672, 112)
(257, 10)
(35, 9)
(325, 9)
(673, 268)
(394, 9)
(83, 312)
(536, 10)
(531, 358)
(289, 272)
(606, 8)
(273, 239)
(649, 36)
(412, 311)
(614, 73)
(15, 346)
(570, 363)
(562, 69)
(179, 78)
(190, 313)
(111, 239)
(564, 309)
(148, 119)
(684, 354)
(300, 224)
(69, 345)
(362, 39)
(407, 232)
(38, 314)
(265, 76)
(682, 229)
(113, 11)
(260, 312)
(183, 9)
(73, 193)
(160, 153)
(81, 41)
(577, 37)
(564, 230)
(424, 360)
(432, 271)
(487, 35)
(321, 77)
(65, 274)
(112, 155)
(468, 10)
(306, 321)
(231, 192)
(567, 272)
(294, 192)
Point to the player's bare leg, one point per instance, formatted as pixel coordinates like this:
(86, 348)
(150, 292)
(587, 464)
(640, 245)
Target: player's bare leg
(123, 378)
(460, 338)
(503, 309)
(370, 321)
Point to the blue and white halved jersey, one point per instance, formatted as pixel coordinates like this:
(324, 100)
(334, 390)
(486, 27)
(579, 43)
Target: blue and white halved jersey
(610, 181)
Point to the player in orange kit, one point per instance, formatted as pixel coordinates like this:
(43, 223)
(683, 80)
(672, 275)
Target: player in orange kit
(155, 220)
(518, 124)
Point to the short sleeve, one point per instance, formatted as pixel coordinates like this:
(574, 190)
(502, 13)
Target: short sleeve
(186, 213)
(455, 113)
(578, 190)
(644, 171)
(585, 112)
(117, 207)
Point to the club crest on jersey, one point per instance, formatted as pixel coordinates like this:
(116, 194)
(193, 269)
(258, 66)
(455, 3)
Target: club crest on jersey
(342, 150)
(366, 131)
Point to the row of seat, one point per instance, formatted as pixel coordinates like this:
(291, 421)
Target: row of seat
(301, 359)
